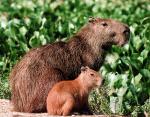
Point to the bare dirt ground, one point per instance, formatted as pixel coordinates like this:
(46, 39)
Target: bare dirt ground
(6, 110)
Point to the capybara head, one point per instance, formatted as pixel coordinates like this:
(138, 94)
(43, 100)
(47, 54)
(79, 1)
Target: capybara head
(90, 77)
(106, 32)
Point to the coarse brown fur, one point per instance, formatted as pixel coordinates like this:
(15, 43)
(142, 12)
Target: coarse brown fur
(35, 74)
(72, 95)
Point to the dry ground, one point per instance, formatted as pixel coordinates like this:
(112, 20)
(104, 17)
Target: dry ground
(6, 111)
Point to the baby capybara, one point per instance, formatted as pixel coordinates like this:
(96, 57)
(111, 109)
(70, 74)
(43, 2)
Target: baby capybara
(42, 67)
(67, 96)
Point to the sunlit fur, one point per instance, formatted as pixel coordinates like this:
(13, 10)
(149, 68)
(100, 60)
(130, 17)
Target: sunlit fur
(67, 96)
(41, 68)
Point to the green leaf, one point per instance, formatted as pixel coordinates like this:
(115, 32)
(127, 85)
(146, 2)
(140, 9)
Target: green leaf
(34, 42)
(145, 73)
(24, 46)
(11, 42)
(10, 33)
(125, 60)
(23, 30)
(137, 79)
(42, 39)
(146, 20)
(144, 53)
(133, 91)
(137, 42)
(121, 91)
(112, 79)
(118, 83)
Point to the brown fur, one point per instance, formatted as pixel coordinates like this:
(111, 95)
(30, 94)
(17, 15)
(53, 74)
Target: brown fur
(35, 74)
(67, 96)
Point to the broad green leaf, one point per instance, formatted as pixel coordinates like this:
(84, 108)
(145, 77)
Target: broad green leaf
(24, 46)
(121, 91)
(10, 33)
(112, 79)
(34, 42)
(113, 104)
(118, 83)
(137, 42)
(146, 20)
(144, 53)
(42, 39)
(11, 42)
(136, 79)
(133, 91)
(23, 30)
(111, 58)
(145, 72)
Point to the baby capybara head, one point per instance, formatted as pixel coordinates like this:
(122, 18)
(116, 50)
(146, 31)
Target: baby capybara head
(90, 77)
(106, 32)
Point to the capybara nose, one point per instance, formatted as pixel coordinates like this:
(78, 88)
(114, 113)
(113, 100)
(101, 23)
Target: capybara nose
(126, 32)
(102, 82)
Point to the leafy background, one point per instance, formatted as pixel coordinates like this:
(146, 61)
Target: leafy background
(26, 24)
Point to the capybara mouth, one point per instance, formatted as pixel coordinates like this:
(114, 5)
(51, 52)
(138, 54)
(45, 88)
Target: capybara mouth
(107, 46)
(122, 43)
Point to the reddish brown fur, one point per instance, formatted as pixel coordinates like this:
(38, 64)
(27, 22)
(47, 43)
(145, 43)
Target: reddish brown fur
(35, 74)
(67, 96)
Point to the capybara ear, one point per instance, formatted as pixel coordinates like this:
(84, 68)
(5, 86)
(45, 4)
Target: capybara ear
(83, 69)
(92, 19)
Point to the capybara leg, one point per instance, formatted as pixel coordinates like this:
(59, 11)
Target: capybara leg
(86, 109)
(29, 96)
(68, 106)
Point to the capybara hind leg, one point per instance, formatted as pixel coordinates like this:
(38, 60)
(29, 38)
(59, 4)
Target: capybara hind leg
(86, 110)
(31, 96)
(68, 107)
(39, 101)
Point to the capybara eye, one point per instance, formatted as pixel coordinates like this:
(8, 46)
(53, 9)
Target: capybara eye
(104, 24)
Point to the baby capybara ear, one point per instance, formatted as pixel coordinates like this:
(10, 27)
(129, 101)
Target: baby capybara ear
(93, 19)
(84, 68)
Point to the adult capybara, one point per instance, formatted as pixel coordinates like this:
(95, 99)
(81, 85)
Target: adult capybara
(35, 74)
(72, 95)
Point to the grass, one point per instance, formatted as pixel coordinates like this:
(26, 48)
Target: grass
(26, 24)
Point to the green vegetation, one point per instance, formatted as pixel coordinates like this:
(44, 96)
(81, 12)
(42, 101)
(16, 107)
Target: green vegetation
(25, 24)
